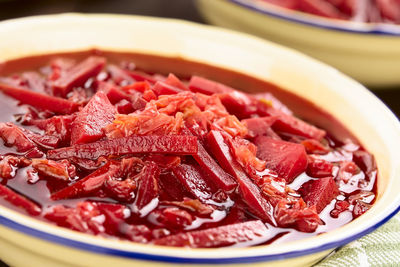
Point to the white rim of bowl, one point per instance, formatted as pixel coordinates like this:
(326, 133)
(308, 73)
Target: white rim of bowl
(319, 21)
(65, 237)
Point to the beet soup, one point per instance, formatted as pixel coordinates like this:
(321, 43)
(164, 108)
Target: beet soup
(155, 150)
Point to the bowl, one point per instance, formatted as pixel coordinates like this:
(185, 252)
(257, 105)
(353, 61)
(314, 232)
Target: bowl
(24, 239)
(369, 52)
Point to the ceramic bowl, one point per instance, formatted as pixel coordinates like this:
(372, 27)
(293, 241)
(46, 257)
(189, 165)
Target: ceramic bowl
(368, 52)
(27, 241)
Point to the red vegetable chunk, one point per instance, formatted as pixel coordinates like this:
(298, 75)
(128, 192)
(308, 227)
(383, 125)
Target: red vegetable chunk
(168, 144)
(287, 159)
(191, 177)
(222, 179)
(318, 168)
(148, 186)
(202, 85)
(162, 88)
(12, 135)
(174, 81)
(320, 7)
(18, 200)
(89, 184)
(319, 193)
(40, 100)
(252, 231)
(78, 74)
(249, 191)
(292, 4)
(292, 125)
(261, 126)
(113, 93)
(88, 125)
(57, 126)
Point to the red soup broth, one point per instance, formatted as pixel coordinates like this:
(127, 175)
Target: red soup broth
(165, 151)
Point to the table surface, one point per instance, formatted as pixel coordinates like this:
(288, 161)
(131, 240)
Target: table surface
(182, 9)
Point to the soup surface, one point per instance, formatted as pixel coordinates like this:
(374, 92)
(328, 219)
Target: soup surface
(100, 143)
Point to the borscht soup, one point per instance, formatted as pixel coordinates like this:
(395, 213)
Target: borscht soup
(170, 152)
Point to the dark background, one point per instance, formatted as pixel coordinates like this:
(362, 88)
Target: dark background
(182, 9)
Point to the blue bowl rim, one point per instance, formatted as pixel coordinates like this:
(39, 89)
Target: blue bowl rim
(183, 260)
(321, 22)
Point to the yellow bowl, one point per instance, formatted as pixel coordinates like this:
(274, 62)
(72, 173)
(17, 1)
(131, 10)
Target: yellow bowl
(368, 52)
(27, 241)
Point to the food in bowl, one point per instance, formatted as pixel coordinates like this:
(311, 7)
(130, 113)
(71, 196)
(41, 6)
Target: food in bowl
(101, 147)
(387, 11)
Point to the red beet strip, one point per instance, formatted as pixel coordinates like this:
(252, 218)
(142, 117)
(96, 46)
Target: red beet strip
(39, 100)
(77, 75)
(249, 191)
(90, 121)
(251, 231)
(191, 177)
(87, 185)
(214, 171)
(19, 201)
(202, 85)
(168, 144)
(148, 187)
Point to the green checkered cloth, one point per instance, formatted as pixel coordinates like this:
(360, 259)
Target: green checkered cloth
(379, 248)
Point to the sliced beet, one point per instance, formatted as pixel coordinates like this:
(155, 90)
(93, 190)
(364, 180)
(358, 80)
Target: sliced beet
(89, 184)
(296, 215)
(162, 88)
(192, 178)
(53, 169)
(20, 201)
(286, 158)
(113, 93)
(168, 144)
(13, 135)
(318, 168)
(360, 208)
(250, 193)
(140, 76)
(320, 8)
(67, 217)
(171, 188)
(39, 100)
(292, 125)
(78, 75)
(251, 231)
(292, 4)
(202, 85)
(122, 190)
(174, 81)
(319, 193)
(35, 81)
(89, 123)
(148, 186)
(240, 104)
(222, 179)
(313, 146)
(365, 161)
(389, 9)
(58, 126)
(260, 126)
(269, 99)
(119, 75)
(115, 214)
